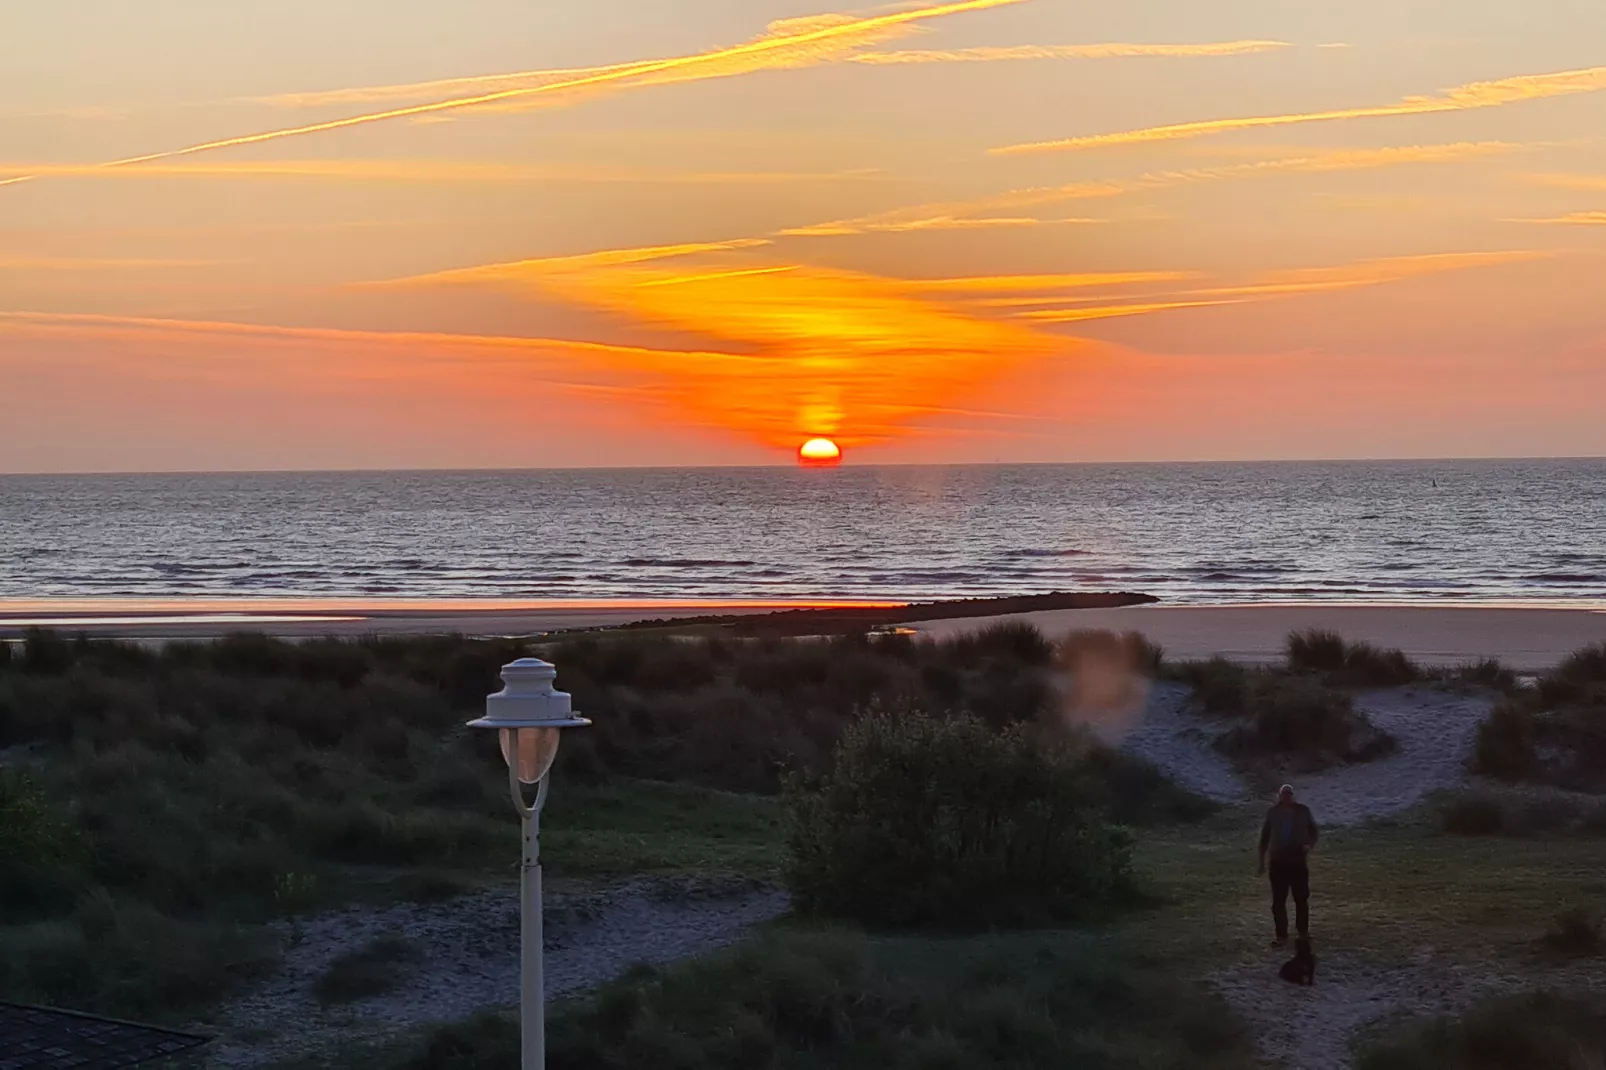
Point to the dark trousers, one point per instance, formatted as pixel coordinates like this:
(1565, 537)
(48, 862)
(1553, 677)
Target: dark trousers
(1290, 875)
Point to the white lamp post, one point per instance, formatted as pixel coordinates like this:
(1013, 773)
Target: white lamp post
(529, 715)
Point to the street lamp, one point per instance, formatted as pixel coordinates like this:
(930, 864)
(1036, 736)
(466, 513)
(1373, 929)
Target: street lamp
(529, 716)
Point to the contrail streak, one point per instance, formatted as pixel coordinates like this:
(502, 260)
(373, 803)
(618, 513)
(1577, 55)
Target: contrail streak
(1469, 97)
(820, 35)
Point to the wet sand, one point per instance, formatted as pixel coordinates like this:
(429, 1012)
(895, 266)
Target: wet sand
(1523, 638)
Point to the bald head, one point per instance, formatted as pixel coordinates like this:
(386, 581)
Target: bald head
(1285, 794)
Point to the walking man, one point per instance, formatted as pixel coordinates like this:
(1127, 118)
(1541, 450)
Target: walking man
(1286, 838)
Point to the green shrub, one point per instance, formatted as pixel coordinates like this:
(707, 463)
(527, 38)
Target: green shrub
(1586, 665)
(1219, 687)
(1474, 815)
(1537, 1031)
(487, 1041)
(41, 853)
(1505, 743)
(1300, 718)
(1488, 672)
(946, 822)
(1351, 664)
(371, 970)
(1573, 932)
(116, 957)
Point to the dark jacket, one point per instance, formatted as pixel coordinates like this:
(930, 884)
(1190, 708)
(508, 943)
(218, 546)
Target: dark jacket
(1288, 832)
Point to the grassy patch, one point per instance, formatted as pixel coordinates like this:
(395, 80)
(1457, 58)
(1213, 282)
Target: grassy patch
(1522, 813)
(628, 827)
(817, 999)
(1537, 1031)
(371, 970)
(216, 785)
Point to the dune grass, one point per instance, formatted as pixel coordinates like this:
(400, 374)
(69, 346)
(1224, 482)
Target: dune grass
(811, 999)
(208, 787)
(1272, 713)
(1533, 1031)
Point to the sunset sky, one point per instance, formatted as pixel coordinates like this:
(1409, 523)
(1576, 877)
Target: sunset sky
(388, 233)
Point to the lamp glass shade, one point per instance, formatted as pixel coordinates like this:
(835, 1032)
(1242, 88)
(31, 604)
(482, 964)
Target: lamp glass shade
(530, 750)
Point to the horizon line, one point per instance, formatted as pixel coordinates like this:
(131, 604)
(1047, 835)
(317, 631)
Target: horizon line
(793, 466)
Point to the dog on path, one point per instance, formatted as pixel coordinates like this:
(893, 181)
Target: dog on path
(1301, 969)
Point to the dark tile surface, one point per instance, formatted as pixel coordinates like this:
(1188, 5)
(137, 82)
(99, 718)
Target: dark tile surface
(38, 1038)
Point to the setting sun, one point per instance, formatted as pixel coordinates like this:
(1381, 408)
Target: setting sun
(820, 452)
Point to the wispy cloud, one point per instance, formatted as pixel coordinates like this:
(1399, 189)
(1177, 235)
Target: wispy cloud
(567, 265)
(990, 284)
(957, 213)
(798, 42)
(1375, 272)
(1471, 96)
(1571, 219)
(1113, 50)
(1283, 284)
(848, 50)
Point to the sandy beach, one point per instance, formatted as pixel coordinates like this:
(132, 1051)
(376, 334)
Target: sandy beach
(1526, 637)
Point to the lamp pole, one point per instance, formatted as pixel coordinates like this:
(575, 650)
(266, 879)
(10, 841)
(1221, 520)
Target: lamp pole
(529, 717)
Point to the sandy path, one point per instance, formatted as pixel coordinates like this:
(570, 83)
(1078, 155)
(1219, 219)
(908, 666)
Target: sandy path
(470, 959)
(1314, 1028)
(1170, 737)
(1435, 730)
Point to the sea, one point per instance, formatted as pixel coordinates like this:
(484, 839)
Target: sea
(1403, 531)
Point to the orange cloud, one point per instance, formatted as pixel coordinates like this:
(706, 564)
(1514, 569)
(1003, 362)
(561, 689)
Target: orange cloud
(797, 42)
(823, 351)
(1468, 97)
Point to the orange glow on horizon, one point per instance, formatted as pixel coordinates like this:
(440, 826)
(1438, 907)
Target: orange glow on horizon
(819, 453)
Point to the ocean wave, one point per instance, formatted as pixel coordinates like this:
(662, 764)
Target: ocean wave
(1046, 553)
(683, 562)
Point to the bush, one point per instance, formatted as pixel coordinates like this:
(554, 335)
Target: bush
(1505, 743)
(1219, 687)
(1348, 664)
(928, 822)
(1474, 815)
(1538, 1031)
(115, 957)
(1488, 673)
(1573, 932)
(41, 854)
(371, 970)
(1302, 719)
(1585, 666)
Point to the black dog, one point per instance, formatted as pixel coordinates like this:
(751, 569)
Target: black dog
(1301, 969)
